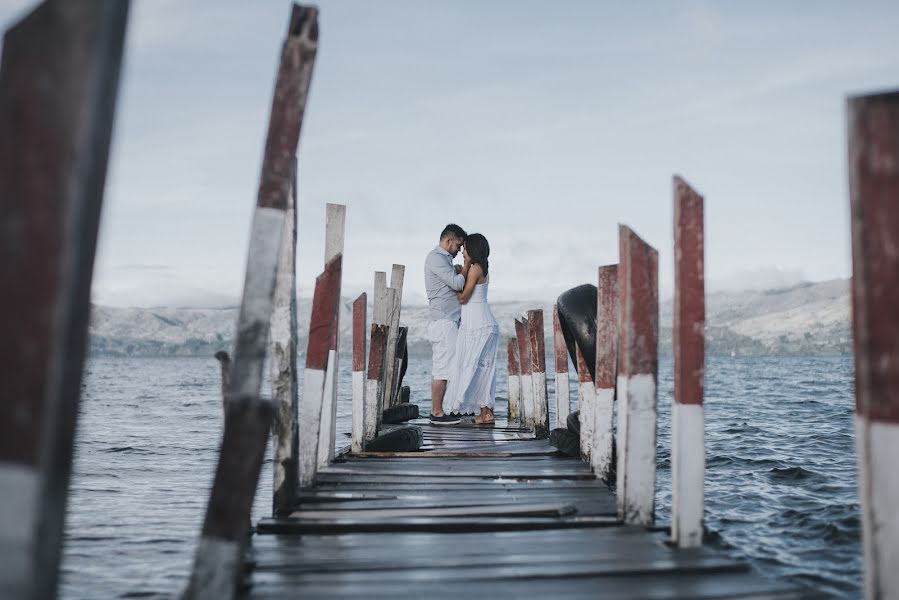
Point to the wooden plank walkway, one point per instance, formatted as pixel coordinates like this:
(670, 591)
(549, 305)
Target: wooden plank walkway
(481, 511)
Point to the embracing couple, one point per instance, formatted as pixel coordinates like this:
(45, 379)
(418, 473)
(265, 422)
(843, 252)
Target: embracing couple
(462, 330)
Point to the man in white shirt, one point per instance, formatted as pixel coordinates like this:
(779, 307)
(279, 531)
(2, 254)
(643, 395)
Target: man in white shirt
(442, 281)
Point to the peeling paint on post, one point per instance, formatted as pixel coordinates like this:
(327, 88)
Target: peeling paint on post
(606, 369)
(874, 213)
(322, 324)
(688, 336)
(58, 86)
(527, 380)
(563, 393)
(360, 308)
(249, 416)
(376, 353)
(586, 404)
(283, 364)
(638, 275)
(397, 274)
(514, 411)
(335, 225)
(538, 370)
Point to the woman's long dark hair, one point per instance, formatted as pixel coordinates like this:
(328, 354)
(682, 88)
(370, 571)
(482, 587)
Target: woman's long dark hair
(478, 249)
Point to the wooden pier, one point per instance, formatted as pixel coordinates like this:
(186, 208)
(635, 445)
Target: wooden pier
(479, 512)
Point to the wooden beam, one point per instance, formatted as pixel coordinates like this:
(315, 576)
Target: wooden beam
(563, 393)
(360, 308)
(527, 380)
(874, 212)
(373, 387)
(58, 85)
(638, 275)
(514, 369)
(283, 363)
(397, 274)
(606, 369)
(335, 225)
(538, 369)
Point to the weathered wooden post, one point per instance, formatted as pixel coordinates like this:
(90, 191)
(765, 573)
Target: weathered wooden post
(397, 274)
(688, 336)
(249, 416)
(514, 411)
(638, 275)
(538, 370)
(335, 224)
(373, 385)
(606, 369)
(283, 362)
(360, 308)
(563, 393)
(874, 210)
(527, 380)
(586, 403)
(58, 85)
(322, 324)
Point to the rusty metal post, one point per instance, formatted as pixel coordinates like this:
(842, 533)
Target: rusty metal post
(560, 351)
(58, 85)
(688, 336)
(538, 372)
(249, 416)
(360, 307)
(514, 411)
(606, 369)
(874, 213)
(638, 286)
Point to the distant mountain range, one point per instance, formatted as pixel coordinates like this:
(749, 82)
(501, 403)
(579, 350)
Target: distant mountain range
(805, 319)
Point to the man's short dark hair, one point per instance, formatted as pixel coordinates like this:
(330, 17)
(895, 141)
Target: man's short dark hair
(454, 230)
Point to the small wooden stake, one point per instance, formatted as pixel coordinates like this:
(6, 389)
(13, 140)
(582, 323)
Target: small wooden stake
(538, 369)
(606, 369)
(397, 274)
(563, 393)
(514, 379)
(527, 380)
(373, 404)
(359, 316)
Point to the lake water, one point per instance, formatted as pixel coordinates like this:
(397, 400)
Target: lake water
(780, 478)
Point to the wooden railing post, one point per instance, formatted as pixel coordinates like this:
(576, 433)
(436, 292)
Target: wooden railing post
(397, 275)
(249, 416)
(360, 307)
(606, 369)
(688, 336)
(322, 324)
(514, 411)
(538, 370)
(638, 275)
(586, 404)
(563, 393)
(874, 209)
(373, 385)
(58, 87)
(527, 380)
(283, 363)
(335, 225)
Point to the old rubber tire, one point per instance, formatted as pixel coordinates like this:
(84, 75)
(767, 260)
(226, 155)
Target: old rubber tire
(566, 442)
(399, 413)
(577, 318)
(402, 439)
(574, 422)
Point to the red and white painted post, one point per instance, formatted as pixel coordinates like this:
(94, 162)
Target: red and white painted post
(586, 403)
(391, 375)
(538, 370)
(688, 335)
(335, 225)
(360, 308)
(373, 385)
(874, 210)
(322, 325)
(638, 286)
(514, 411)
(563, 393)
(527, 380)
(248, 415)
(606, 369)
(58, 88)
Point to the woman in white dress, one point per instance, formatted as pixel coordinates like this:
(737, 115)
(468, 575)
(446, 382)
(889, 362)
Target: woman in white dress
(473, 384)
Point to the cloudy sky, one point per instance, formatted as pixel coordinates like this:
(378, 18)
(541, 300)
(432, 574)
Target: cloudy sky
(541, 126)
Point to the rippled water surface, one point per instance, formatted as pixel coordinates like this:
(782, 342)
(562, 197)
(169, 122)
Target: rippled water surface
(780, 480)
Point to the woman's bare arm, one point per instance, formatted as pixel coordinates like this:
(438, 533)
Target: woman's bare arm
(474, 273)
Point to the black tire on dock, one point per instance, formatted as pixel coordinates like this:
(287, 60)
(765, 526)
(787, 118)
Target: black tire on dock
(574, 422)
(405, 394)
(565, 441)
(402, 439)
(577, 318)
(400, 413)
